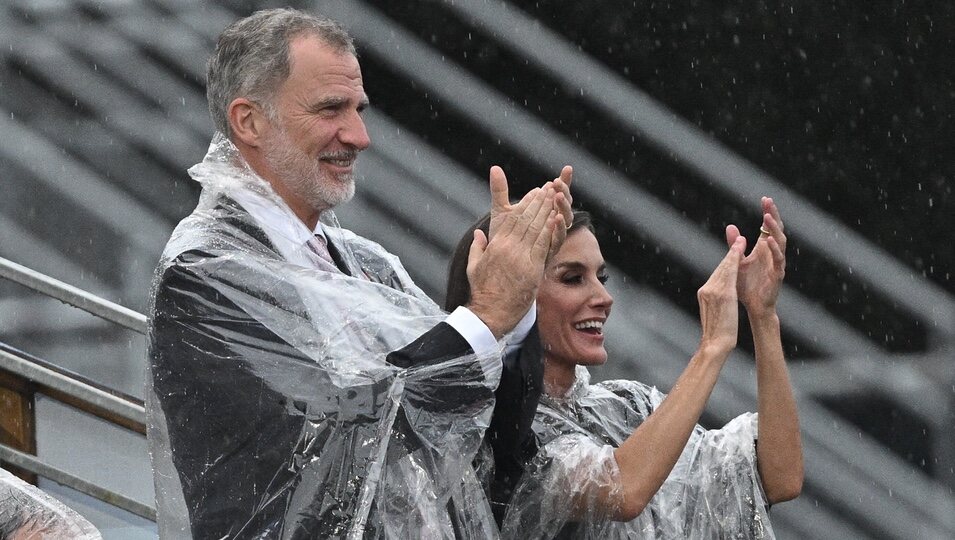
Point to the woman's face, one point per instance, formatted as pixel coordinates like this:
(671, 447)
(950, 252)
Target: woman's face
(573, 304)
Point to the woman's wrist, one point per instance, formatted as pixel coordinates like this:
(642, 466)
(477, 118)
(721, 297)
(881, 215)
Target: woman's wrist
(714, 350)
(756, 310)
(763, 318)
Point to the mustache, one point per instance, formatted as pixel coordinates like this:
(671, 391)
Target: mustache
(340, 155)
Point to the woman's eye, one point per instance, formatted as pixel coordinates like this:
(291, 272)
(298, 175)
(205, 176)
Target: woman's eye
(571, 279)
(603, 278)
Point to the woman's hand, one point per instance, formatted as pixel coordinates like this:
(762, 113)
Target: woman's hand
(719, 313)
(779, 452)
(761, 272)
(646, 458)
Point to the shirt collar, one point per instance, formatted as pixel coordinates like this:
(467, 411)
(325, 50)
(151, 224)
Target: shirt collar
(285, 230)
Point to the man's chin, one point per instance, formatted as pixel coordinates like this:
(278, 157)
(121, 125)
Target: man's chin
(331, 200)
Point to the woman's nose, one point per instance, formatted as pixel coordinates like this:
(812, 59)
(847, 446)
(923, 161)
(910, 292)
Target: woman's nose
(602, 297)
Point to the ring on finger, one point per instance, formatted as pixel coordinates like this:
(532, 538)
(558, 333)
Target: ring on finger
(764, 230)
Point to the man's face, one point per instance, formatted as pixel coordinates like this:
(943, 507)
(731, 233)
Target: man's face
(315, 139)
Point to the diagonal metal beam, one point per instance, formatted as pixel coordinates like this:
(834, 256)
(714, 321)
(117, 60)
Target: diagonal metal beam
(73, 296)
(496, 113)
(731, 173)
(37, 466)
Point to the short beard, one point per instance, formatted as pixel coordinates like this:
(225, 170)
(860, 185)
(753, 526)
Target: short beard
(303, 175)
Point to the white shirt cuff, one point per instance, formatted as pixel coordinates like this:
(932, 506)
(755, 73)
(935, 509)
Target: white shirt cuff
(519, 333)
(473, 330)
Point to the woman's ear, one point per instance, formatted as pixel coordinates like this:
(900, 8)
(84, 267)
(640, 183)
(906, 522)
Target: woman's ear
(247, 121)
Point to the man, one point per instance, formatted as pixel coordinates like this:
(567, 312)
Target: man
(300, 385)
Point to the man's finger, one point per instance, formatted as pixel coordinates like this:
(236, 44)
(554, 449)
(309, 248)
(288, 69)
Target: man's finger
(498, 185)
(567, 175)
(538, 212)
(522, 218)
(558, 236)
(565, 201)
(512, 215)
(542, 244)
(476, 252)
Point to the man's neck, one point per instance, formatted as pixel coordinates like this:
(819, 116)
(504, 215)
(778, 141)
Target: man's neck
(304, 211)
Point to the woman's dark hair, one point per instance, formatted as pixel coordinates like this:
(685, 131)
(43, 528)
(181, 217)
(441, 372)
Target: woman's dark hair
(459, 288)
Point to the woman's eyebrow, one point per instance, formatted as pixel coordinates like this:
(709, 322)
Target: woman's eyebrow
(574, 265)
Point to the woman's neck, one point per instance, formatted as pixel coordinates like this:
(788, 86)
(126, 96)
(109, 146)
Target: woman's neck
(558, 377)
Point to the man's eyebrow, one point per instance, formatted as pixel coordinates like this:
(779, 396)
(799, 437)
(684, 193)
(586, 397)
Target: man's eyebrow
(329, 101)
(338, 101)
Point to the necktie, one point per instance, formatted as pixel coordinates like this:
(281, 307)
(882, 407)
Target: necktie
(320, 246)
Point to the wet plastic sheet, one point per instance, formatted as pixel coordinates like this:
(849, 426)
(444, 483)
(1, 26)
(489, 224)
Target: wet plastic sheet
(27, 513)
(713, 491)
(272, 408)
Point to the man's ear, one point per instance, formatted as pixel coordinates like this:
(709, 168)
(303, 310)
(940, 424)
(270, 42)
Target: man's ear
(247, 121)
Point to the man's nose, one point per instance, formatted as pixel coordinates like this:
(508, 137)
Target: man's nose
(354, 132)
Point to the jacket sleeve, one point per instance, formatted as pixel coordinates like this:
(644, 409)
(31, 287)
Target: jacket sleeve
(510, 436)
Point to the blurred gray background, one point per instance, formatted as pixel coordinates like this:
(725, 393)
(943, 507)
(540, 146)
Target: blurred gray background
(677, 118)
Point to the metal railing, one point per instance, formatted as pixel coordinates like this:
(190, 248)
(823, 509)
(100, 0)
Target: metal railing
(25, 375)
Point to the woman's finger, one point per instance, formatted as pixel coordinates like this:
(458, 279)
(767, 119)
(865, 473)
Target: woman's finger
(732, 233)
(779, 256)
(728, 268)
(769, 207)
(775, 230)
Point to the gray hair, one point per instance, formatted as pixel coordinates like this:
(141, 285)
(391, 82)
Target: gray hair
(251, 58)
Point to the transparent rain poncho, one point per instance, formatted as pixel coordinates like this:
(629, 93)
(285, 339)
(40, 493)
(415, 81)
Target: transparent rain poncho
(26, 512)
(275, 409)
(713, 491)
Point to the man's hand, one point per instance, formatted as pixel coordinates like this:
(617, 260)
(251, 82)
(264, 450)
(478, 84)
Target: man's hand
(501, 206)
(761, 272)
(505, 270)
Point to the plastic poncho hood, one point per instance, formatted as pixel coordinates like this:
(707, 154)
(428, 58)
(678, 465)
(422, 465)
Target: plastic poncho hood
(272, 408)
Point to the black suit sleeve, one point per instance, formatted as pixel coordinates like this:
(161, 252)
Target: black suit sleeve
(439, 344)
(510, 435)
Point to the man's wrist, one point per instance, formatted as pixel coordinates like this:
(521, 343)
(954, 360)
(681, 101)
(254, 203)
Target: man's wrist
(473, 329)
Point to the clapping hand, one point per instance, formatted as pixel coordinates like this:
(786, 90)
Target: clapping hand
(718, 302)
(505, 268)
(761, 273)
(501, 206)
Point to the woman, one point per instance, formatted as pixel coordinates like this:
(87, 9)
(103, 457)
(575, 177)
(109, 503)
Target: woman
(620, 459)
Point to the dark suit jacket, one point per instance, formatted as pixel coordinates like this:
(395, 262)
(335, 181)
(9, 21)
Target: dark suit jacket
(232, 432)
(510, 435)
